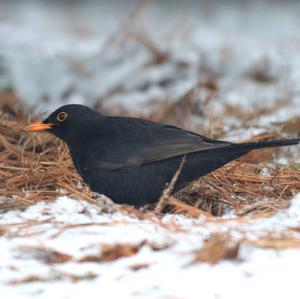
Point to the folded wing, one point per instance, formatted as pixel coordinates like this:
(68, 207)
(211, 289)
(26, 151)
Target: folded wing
(159, 142)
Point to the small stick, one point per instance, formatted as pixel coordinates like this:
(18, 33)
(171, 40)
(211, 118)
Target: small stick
(169, 188)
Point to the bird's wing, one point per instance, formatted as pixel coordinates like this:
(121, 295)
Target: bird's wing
(159, 143)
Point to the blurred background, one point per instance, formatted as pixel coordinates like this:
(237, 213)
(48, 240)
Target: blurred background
(193, 63)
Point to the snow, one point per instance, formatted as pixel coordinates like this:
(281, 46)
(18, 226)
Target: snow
(168, 271)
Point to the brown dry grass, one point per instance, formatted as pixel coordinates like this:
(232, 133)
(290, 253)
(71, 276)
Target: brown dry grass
(218, 247)
(33, 167)
(38, 167)
(242, 187)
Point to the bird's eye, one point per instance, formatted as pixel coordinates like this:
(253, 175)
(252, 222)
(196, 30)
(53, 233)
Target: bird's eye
(61, 116)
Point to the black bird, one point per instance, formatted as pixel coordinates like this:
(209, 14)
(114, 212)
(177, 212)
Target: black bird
(131, 160)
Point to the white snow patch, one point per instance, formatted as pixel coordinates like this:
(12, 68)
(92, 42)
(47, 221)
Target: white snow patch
(166, 273)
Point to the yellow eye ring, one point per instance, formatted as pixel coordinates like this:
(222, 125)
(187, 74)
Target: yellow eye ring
(61, 116)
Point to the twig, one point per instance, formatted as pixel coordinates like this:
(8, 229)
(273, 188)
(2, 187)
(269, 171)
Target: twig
(169, 188)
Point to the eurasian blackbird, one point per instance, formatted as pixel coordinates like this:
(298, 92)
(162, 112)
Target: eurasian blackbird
(131, 160)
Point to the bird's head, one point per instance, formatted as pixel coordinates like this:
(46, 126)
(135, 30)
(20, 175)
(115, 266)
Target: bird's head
(67, 122)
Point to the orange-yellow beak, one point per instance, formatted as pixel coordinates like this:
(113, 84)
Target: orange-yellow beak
(38, 127)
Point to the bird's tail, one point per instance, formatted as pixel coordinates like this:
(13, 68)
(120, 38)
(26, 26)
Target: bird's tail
(261, 144)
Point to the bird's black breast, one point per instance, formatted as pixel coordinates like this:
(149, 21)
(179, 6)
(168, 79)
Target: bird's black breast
(135, 186)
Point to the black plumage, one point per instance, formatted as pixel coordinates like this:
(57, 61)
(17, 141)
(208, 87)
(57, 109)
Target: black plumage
(131, 160)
